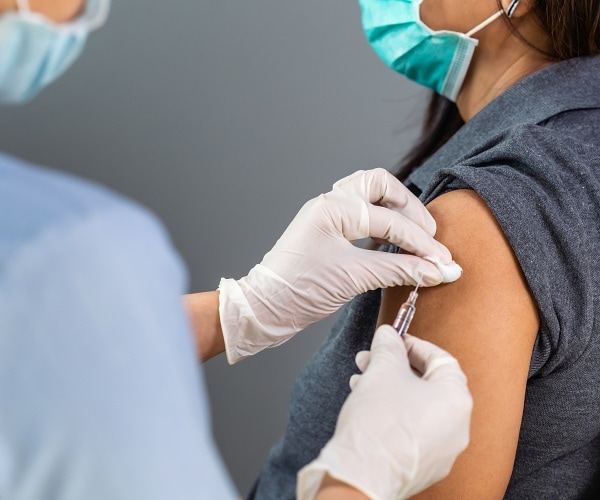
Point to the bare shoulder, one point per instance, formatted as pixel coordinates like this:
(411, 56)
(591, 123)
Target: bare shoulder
(489, 321)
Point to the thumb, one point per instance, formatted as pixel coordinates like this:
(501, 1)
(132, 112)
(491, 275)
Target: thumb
(433, 362)
(387, 345)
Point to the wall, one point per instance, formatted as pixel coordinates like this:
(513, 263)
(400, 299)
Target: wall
(223, 118)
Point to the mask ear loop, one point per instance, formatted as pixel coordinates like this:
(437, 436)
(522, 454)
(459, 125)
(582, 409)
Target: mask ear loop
(509, 12)
(511, 8)
(23, 5)
(103, 8)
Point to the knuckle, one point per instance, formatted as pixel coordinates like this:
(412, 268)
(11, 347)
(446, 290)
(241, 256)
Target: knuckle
(379, 181)
(328, 198)
(317, 206)
(311, 204)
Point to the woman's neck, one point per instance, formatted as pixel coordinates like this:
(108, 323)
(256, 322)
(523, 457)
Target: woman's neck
(500, 61)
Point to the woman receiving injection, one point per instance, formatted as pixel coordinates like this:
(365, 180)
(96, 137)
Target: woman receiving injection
(100, 392)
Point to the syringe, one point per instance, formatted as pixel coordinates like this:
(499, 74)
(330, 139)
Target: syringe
(406, 313)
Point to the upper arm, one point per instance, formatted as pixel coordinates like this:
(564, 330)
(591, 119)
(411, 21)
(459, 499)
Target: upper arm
(488, 321)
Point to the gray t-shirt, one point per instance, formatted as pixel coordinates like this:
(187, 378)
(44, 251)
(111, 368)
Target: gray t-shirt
(533, 155)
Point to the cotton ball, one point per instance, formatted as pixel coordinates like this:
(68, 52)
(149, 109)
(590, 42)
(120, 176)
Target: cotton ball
(450, 272)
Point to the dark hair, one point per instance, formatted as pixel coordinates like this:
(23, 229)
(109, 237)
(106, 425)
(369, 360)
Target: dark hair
(573, 28)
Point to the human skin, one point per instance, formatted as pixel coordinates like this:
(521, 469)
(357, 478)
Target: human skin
(57, 10)
(502, 58)
(203, 308)
(332, 489)
(493, 351)
(487, 319)
(203, 311)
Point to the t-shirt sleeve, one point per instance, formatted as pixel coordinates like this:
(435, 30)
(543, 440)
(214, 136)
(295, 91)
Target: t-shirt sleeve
(546, 210)
(100, 390)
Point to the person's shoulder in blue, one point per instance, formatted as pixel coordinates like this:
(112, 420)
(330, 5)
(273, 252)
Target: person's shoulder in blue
(100, 391)
(35, 200)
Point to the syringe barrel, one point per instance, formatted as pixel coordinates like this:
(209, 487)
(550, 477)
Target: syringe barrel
(404, 317)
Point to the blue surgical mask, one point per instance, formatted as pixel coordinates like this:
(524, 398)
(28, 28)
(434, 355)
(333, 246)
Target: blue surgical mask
(35, 51)
(439, 60)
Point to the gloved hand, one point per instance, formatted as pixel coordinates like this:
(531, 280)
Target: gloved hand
(314, 269)
(397, 432)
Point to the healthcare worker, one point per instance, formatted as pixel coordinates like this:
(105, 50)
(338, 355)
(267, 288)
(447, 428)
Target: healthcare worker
(100, 395)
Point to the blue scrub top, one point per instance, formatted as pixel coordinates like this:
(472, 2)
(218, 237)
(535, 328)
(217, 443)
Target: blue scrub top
(101, 396)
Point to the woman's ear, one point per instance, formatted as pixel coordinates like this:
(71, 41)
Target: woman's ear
(518, 8)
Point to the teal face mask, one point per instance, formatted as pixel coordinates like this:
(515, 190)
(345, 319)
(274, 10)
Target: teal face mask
(438, 60)
(34, 51)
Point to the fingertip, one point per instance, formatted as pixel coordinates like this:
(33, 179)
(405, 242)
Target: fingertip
(387, 332)
(353, 382)
(427, 275)
(430, 224)
(441, 255)
(347, 179)
(362, 360)
(432, 361)
(409, 343)
(408, 339)
(387, 337)
(388, 329)
(422, 347)
(418, 352)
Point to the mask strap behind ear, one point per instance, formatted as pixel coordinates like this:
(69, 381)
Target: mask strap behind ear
(23, 5)
(511, 8)
(509, 12)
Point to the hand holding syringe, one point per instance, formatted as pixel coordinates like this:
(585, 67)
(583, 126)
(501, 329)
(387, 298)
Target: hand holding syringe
(411, 405)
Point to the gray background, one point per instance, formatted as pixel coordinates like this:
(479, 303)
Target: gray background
(223, 118)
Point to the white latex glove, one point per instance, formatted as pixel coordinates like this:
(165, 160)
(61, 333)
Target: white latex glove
(397, 432)
(314, 269)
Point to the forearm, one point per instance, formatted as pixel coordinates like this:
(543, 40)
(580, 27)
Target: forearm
(332, 489)
(203, 312)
